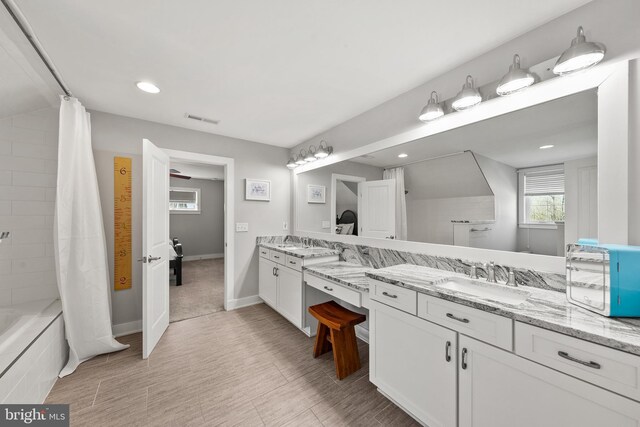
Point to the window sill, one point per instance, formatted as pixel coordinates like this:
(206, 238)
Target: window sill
(185, 212)
(539, 226)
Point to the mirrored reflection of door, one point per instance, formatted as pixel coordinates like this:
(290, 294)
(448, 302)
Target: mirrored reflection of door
(377, 208)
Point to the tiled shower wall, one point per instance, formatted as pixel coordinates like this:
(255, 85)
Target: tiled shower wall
(28, 167)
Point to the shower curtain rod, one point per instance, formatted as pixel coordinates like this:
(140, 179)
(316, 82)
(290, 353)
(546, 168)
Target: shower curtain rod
(36, 46)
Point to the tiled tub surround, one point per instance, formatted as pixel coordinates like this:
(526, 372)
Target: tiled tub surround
(543, 308)
(379, 258)
(34, 353)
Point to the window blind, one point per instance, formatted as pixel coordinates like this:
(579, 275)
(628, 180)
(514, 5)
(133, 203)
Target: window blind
(549, 182)
(183, 196)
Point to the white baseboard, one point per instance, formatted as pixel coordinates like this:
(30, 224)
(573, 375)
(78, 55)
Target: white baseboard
(126, 328)
(243, 302)
(204, 256)
(362, 333)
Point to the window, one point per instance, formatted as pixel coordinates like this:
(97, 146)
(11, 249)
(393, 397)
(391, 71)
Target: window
(184, 200)
(541, 200)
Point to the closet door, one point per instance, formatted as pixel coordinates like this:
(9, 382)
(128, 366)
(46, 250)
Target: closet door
(377, 208)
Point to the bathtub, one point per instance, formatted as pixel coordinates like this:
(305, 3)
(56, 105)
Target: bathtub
(32, 350)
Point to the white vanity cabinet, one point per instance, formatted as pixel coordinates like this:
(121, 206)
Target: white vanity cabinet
(498, 388)
(414, 362)
(280, 283)
(486, 380)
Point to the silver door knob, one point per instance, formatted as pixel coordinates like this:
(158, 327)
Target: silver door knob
(154, 258)
(142, 260)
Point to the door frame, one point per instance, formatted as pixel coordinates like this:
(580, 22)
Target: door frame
(229, 212)
(335, 177)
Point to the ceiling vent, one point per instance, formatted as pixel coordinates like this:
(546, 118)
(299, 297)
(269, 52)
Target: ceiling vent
(201, 119)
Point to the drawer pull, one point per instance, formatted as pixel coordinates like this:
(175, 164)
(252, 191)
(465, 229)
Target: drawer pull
(328, 288)
(459, 319)
(590, 364)
(276, 257)
(447, 351)
(386, 294)
(463, 359)
(292, 262)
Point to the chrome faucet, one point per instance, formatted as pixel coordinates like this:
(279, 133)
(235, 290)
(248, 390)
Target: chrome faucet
(511, 281)
(491, 272)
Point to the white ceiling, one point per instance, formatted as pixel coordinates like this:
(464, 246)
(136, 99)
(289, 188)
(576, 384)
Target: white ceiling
(277, 71)
(24, 83)
(570, 124)
(199, 171)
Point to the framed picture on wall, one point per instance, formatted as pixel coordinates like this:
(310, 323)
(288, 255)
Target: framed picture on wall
(316, 193)
(258, 189)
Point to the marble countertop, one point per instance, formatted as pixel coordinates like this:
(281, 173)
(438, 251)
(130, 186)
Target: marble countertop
(543, 308)
(344, 273)
(299, 251)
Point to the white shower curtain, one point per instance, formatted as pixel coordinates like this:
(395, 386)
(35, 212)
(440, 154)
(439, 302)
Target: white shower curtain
(80, 246)
(401, 202)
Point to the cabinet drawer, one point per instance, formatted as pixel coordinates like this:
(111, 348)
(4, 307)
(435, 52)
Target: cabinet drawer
(293, 262)
(487, 327)
(611, 369)
(278, 257)
(395, 296)
(337, 291)
(264, 253)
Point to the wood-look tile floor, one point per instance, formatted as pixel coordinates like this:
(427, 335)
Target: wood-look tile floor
(246, 367)
(202, 290)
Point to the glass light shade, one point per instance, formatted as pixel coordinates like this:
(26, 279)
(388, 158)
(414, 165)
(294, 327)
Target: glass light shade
(579, 56)
(468, 97)
(300, 160)
(310, 157)
(432, 110)
(291, 164)
(516, 79)
(323, 151)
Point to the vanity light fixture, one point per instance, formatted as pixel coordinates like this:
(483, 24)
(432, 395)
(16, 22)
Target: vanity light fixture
(403, 155)
(432, 110)
(291, 164)
(468, 97)
(323, 151)
(300, 159)
(148, 87)
(579, 56)
(516, 79)
(545, 147)
(310, 157)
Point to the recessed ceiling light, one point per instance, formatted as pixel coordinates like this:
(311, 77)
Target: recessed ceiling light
(148, 87)
(544, 147)
(403, 155)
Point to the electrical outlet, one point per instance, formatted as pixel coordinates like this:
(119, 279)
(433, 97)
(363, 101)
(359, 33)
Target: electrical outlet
(285, 225)
(326, 224)
(242, 227)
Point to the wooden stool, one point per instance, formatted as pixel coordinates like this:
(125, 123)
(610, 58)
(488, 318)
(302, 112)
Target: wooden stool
(336, 329)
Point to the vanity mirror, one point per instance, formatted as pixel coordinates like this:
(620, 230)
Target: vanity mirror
(525, 181)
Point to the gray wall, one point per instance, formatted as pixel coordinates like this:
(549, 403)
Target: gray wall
(203, 233)
(311, 215)
(118, 135)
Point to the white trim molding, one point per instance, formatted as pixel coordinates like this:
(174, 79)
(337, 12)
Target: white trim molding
(203, 256)
(244, 302)
(128, 328)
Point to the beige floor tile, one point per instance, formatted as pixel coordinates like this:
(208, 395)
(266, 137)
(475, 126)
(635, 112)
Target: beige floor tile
(230, 414)
(391, 415)
(306, 419)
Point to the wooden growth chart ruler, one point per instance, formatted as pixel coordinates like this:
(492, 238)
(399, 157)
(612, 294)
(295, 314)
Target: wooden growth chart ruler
(122, 222)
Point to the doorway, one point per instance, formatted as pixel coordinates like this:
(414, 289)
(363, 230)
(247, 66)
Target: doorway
(196, 230)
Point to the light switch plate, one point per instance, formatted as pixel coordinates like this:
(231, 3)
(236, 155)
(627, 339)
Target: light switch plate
(242, 227)
(326, 224)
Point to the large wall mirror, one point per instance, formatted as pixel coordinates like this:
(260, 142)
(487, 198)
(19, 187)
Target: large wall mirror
(525, 181)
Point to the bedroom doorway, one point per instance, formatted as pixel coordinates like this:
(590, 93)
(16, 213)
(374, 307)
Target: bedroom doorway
(345, 203)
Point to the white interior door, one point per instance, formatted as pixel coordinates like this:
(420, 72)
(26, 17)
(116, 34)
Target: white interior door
(377, 209)
(155, 245)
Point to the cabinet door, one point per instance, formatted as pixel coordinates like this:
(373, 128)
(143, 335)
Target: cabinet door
(498, 388)
(267, 287)
(414, 362)
(290, 294)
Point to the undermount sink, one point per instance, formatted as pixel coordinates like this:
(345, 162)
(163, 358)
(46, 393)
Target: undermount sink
(491, 291)
(290, 247)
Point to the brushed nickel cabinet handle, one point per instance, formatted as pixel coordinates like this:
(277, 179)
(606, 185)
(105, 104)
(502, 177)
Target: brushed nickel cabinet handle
(328, 288)
(447, 351)
(389, 295)
(590, 364)
(459, 319)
